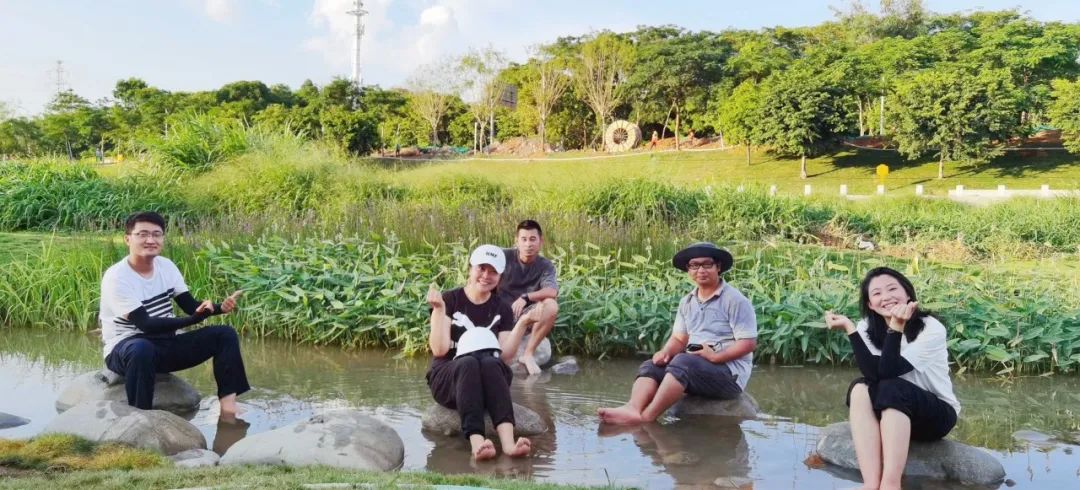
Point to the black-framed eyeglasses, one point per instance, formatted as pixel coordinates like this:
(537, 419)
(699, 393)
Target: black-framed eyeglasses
(705, 265)
(143, 235)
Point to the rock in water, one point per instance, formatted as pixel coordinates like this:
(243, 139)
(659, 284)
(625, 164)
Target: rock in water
(566, 365)
(939, 460)
(743, 407)
(107, 421)
(342, 438)
(8, 420)
(442, 420)
(194, 458)
(170, 392)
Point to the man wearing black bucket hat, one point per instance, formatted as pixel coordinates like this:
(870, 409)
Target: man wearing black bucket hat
(711, 349)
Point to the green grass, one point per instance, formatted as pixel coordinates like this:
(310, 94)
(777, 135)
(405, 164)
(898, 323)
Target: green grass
(261, 477)
(65, 452)
(855, 168)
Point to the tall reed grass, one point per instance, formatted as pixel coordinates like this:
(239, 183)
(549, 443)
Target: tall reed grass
(358, 291)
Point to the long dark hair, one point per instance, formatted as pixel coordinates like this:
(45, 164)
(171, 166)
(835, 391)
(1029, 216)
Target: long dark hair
(877, 326)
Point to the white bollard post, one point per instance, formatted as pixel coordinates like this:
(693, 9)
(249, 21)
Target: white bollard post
(772, 190)
(740, 188)
(1001, 190)
(880, 189)
(1045, 189)
(806, 190)
(843, 189)
(918, 189)
(959, 189)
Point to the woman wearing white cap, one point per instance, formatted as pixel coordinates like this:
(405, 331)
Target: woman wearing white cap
(473, 340)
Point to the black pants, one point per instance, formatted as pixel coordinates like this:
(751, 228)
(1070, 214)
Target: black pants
(697, 375)
(474, 384)
(931, 418)
(139, 358)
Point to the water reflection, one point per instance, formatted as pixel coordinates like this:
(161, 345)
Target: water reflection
(293, 382)
(694, 450)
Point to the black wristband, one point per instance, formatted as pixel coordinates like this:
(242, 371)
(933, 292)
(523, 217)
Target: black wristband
(525, 296)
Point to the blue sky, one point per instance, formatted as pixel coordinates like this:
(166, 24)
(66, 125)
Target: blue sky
(203, 44)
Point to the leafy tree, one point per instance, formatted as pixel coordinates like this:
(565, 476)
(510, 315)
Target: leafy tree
(677, 66)
(802, 110)
(1065, 112)
(20, 136)
(482, 88)
(546, 81)
(431, 89)
(956, 111)
(602, 64)
(741, 116)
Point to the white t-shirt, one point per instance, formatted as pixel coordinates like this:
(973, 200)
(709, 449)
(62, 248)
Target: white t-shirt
(123, 291)
(928, 354)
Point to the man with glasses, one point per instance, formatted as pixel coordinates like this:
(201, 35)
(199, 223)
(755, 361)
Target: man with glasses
(711, 349)
(140, 331)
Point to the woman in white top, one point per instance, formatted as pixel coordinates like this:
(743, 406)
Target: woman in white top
(905, 392)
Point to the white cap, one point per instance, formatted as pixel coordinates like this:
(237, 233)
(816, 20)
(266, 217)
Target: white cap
(489, 254)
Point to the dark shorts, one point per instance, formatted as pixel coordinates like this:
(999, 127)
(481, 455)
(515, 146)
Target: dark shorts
(697, 375)
(931, 418)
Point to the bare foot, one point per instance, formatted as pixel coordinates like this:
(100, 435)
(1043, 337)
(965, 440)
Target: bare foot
(624, 415)
(530, 363)
(484, 451)
(521, 448)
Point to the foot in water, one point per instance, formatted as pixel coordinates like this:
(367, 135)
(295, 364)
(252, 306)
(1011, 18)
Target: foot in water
(520, 449)
(624, 415)
(530, 364)
(484, 451)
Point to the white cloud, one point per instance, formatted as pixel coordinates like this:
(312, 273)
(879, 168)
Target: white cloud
(401, 35)
(220, 10)
(436, 16)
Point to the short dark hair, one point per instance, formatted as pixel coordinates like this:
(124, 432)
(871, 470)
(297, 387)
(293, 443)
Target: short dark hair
(529, 225)
(876, 325)
(143, 217)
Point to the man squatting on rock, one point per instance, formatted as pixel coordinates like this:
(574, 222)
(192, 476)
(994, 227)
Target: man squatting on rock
(139, 329)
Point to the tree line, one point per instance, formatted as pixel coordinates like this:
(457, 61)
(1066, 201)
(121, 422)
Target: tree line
(954, 87)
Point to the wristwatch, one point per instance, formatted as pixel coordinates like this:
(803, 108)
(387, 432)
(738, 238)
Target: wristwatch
(525, 296)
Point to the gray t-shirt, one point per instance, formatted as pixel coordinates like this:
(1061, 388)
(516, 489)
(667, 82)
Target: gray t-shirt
(520, 278)
(722, 319)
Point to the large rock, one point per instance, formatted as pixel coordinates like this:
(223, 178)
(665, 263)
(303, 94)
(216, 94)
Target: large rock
(195, 458)
(743, 407)
(108, 421)
(567, 365)
(8, 421)
(170, 392)
(543, 351)
(939, 460)
(342, 438)
(445, 421)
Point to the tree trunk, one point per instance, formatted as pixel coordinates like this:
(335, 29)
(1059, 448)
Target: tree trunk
(543, 134)
(747, 153)
(491, 136)
(677, 147)
(862, 126)
(881, 118)
(941, 166)
(721, 139)
(802, 168)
